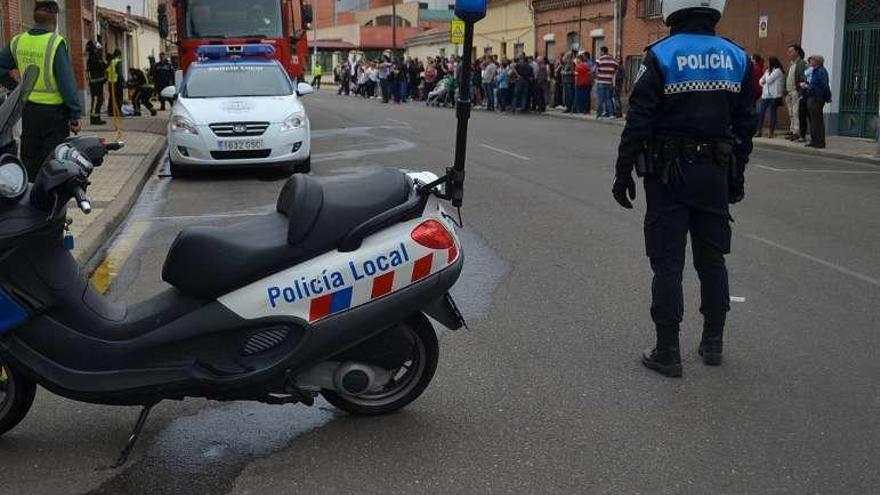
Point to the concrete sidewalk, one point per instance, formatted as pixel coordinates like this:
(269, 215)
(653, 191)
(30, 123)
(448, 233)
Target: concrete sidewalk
(117, 183)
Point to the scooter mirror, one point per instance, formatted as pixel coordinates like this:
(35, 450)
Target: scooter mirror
(13, 179)
(470, 10)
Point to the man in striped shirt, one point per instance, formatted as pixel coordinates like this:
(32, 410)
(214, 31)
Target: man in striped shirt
(606, 72)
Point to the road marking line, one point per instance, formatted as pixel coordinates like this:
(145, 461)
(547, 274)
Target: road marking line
(818, 171)
(499, 150)
(827, 264)
(120, 250)
(737, 299)
(398, 121)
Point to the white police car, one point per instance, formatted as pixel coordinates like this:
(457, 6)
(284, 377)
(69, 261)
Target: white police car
(241, 111)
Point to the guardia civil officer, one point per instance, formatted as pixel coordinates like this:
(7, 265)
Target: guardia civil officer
(688, 133)
(53, 108)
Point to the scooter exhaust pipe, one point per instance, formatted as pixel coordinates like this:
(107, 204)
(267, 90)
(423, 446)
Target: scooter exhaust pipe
(354, 378)
(350, 378)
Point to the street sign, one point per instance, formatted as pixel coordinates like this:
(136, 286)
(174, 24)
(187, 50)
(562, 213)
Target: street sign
(762, 26)
(456, 32)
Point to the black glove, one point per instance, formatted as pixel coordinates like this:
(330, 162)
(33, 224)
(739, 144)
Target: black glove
(624, 186)
(737, 192)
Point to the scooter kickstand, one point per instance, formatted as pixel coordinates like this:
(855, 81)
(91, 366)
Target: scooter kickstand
(133, 438)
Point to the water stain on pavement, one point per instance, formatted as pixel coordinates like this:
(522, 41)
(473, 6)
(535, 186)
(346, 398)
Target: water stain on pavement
(204, 453)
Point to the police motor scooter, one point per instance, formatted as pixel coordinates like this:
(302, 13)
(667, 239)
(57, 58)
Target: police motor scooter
(328, 295)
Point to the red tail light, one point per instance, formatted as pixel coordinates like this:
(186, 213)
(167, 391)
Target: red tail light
(432, 234)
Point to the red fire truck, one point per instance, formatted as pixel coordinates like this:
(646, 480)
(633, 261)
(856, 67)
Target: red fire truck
(238, 23)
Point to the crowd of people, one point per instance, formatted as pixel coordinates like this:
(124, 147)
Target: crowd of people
(804, 90)
(526, 84)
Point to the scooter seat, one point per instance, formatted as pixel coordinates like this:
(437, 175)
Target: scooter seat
(313, 215)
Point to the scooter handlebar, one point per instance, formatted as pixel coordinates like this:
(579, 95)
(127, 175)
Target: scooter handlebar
(82, 201)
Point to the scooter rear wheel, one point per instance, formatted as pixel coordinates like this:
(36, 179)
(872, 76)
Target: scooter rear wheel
(16, 397)
(409, 380)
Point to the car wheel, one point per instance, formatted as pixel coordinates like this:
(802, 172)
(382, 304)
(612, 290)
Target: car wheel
(176, 170)
(304, 166)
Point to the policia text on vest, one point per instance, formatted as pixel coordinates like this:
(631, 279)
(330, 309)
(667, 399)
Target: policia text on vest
(53, 108)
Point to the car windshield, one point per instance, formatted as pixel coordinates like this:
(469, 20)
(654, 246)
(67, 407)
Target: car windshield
(237, 80)
(234, 19)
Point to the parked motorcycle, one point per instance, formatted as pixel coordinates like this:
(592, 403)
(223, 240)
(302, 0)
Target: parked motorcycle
(330, 294)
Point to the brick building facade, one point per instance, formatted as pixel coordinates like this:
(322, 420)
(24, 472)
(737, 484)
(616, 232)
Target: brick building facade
(564, 25)
(642, 25)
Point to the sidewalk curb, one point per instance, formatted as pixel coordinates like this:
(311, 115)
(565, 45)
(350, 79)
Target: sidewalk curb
(802, 150)
(97, 234)
(760, 144)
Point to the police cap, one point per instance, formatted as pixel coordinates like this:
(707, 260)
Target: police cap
(48, 6)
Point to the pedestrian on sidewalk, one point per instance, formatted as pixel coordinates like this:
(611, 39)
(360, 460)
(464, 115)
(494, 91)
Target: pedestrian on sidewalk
(796, 75)
(52, 110)
(385, 79)
(818, 94)
(617, 92)
(317, 73)
(97, 70)
(524, 78)
(116, 82)
(568, 87)
(757, 74)
(772, 89)
(489, 73)
(141, 90)
(163, 77)
(606, 76)
(696, 123)
(583, 85)
(503, 86)
(542, 86)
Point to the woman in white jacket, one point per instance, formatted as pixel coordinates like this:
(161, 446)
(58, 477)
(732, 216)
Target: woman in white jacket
(773, 90)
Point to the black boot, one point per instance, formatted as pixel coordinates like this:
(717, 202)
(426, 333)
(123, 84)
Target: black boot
(712, 344)
(666, 361)
(97, 121)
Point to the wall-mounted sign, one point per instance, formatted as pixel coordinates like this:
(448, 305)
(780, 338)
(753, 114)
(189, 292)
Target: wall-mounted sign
(456, 32)
(762, 26)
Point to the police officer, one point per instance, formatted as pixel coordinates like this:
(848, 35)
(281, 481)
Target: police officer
(116, 81)
(97, 70)
(688, 133)
(53, 108)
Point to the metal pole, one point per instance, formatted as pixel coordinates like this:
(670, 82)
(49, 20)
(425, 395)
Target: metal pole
(463, 113)
(315, 22)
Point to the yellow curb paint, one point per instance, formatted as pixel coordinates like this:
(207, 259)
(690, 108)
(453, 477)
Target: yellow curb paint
(120, 250)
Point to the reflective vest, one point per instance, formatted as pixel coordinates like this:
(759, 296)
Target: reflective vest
(112, 75)
(39, 50)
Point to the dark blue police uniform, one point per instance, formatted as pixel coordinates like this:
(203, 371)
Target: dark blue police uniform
(688, 133)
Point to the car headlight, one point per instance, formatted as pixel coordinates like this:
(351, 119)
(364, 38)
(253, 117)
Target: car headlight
(295, 121)
(183, 125)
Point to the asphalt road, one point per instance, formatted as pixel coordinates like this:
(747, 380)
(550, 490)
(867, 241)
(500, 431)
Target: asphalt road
(545, 393)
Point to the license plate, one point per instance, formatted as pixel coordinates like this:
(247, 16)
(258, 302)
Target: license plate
(241, 145)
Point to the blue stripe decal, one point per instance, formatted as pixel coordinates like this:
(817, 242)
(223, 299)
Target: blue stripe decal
(341, 300)
(11, 313)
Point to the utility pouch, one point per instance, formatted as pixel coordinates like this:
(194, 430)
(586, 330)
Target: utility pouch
(649, 161)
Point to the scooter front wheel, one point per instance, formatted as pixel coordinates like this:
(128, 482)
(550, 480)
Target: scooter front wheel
(16, 397)
(408, 381)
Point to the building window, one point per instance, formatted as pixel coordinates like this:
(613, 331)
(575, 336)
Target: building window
(442, 52)
(385, 20)
(859, 11)
(519, 49)
(423, 6)
(573, 41)
(633, 66)
(650, 8)
(487, 51)
(503, 49)
(550, 50)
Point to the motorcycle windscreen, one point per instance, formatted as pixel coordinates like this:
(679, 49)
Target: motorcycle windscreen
(11, 313)
(10, 112)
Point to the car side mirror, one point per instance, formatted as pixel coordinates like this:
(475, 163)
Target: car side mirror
(169, 93)
(303, 89)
